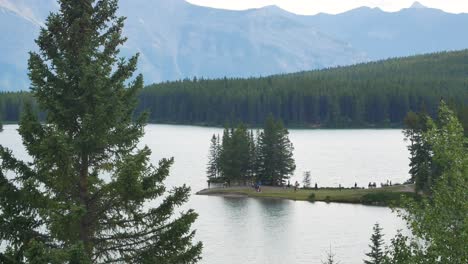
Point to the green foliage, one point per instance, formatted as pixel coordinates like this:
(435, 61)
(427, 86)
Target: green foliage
(424, 169)
(376, 254)
(387, 198)
(234, 155)
(12, 105)
(439, 221)
(365, 95)
(241, 157)
(306, 181)
(87, 196)
(311, 197)
(420, 151)
(275, 153)
(212, 169)
(372, 94)
(399, 251)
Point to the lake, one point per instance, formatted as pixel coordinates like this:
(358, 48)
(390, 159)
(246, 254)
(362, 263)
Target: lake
(245, 230)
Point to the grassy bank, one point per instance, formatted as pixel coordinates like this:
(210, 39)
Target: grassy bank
(378, 196)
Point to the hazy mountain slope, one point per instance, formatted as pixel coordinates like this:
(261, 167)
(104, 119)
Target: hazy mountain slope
(179, 40)
(411, 31)
(16, 42)
(214, 43)
(20, 21)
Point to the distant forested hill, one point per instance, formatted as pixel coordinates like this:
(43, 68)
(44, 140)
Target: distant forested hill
(372, 94)
(366, 95)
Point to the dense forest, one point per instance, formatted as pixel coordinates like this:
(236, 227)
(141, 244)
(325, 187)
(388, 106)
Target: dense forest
(372, 94)
(12, 104)
(375, 94)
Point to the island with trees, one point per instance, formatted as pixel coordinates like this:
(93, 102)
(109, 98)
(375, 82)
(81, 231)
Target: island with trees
(241, 162)
(241, 158)
(424, 170)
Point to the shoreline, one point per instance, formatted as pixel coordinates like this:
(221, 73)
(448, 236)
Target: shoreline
(295, 127)
(384, 196)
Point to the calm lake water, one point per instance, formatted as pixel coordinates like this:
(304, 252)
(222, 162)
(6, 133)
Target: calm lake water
(243, 230)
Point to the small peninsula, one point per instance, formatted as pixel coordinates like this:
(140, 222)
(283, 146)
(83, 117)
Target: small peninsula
(384, 196)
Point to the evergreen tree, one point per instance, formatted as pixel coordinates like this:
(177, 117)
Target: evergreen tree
(330, 258)
(307, 179)
(225, 157)
(376, 255)
(212, 169)
(244, 157)
(252, 166)
(276, 162)
(241, 152)
(400, 251)
(420, 160)
(286, 165)
(85, 196)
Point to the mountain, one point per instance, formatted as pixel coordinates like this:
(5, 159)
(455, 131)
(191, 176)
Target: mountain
(179, 40)
(411, 31)
(417, 5)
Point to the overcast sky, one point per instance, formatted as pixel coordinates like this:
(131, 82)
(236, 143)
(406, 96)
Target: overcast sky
(309, 7)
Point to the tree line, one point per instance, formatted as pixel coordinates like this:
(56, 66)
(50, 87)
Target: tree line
(372, 94)
(12, 105)
(242, 157)
(375, 94)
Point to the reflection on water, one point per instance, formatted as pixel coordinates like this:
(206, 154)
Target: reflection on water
(244, 230)
(247, 230)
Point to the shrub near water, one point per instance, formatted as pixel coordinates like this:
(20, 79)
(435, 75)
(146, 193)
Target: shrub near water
(311, 197)
(386, 198)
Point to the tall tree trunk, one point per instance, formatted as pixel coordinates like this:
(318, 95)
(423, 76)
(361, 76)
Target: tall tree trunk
(85, 225)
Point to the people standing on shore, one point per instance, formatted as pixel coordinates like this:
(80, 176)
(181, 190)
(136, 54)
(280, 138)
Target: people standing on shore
(296, 185)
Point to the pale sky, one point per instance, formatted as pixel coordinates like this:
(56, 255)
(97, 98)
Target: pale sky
(310, 7)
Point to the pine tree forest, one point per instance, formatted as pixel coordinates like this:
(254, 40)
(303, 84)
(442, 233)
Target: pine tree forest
(375, 94)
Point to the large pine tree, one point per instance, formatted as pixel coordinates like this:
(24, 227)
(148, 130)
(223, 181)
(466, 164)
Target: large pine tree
(420, 160)
(275, 158)
(88, 194)
(212, 168)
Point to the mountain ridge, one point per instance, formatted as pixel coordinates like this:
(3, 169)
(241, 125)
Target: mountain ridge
(177, 39)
